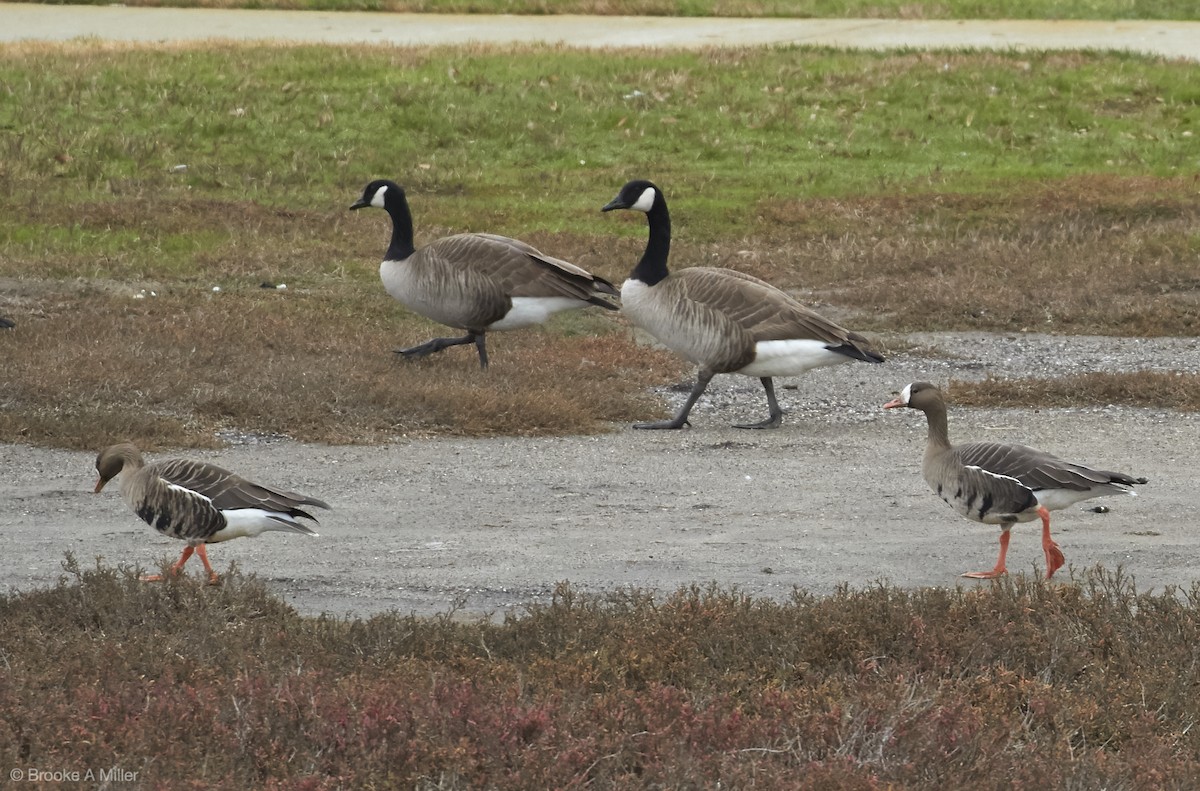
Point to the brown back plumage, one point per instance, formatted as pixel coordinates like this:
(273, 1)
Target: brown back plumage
(764, 311)
(475, 276)
(722, 313)
(227, 490)
(1037, 469)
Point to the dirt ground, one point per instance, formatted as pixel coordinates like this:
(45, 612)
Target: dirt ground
(833, 497)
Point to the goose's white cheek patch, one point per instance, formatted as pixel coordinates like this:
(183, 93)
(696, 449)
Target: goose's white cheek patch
(645, 202)
(377, 198)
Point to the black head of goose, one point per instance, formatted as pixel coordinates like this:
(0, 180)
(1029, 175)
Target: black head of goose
(200, 503)
(722, 320)
(476, 282)
(1000, 484)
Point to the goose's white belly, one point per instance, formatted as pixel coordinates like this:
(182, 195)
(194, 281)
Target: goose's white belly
(1058, 499)
(790, 358)
(243, 523)
(527, 311)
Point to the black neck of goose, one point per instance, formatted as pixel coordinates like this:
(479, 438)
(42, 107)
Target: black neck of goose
(653, 266)
(401, 246)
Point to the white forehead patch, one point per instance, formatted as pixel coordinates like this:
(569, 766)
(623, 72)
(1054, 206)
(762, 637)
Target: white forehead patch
(377, 198)
(645, 201)
(905, 393)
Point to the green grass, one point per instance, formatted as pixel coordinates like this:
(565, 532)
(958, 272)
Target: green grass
(914, 191)
(908, 9)
(520, 140)
(1021, 684)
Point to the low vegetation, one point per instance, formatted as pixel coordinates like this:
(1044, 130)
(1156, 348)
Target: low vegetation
(1161, 389)
(908, 191)
(1019, 684)
(904, 9)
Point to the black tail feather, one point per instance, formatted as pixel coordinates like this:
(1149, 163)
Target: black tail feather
(602, 303)
(857, 352)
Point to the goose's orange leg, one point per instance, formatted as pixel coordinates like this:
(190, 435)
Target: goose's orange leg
(187, 553)
(1000, 568)
(203, 555)
(1054, 555)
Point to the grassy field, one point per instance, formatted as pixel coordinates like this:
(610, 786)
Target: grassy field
(910, 191)
(1021, 684)
(903, 9)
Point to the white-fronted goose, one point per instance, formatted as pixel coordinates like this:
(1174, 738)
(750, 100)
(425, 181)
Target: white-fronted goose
(199, 503)
(722, 320)
(1000, 484)
(476, 282)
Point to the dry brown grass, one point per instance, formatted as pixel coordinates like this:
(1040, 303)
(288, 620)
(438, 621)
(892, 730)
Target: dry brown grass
(164, 371)
(1159, 389)
(871, 9)
(1097, 254)
(89, 364)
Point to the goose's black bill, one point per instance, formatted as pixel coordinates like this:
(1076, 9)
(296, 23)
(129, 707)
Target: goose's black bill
(615, 203)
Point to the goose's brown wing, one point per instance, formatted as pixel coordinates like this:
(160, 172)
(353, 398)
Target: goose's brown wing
(513, 268)
(1036, 469)
(229, 491)
(765, 312)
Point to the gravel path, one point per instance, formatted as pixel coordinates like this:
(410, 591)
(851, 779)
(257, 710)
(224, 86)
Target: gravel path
(833, 497)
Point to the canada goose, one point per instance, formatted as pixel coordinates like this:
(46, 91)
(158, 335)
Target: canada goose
(1000, 484)
(724, 321)
(475, 281)
(199, 503)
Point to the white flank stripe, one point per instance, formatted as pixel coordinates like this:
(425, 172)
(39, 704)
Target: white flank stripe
(995, 475)
(185, 490)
